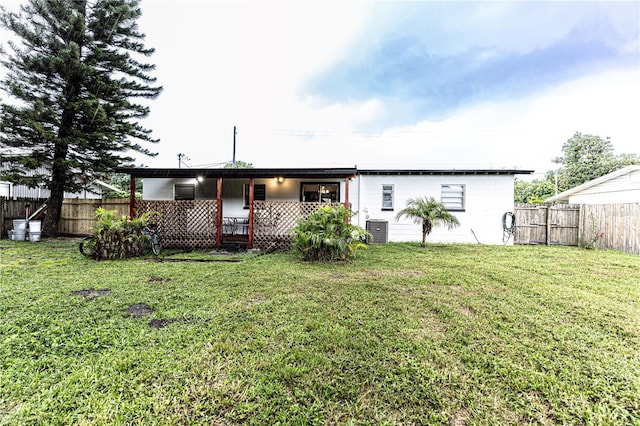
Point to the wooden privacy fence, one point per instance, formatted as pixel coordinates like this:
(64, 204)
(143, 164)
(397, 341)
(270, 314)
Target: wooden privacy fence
(547, 224)
(15, 209)
(606, 226)
(77, 215)
(618, 225)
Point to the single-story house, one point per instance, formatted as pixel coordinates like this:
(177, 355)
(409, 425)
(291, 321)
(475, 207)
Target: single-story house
(618, 187)
(10, 190)
(210, 207)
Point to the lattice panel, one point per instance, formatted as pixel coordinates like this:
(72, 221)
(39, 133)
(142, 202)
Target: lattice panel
(184, 224)
(273, 220)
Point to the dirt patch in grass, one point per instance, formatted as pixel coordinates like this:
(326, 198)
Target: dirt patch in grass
(158, 280)
(163, 322)
(140, 310)
(170, 259)
(461, 418)
(91, 293)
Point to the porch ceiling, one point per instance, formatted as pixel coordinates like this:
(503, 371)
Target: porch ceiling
(145, 172)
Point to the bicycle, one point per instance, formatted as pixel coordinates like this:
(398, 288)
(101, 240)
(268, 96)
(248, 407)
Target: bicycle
(152, 242)
(153, 239)
(86, 245)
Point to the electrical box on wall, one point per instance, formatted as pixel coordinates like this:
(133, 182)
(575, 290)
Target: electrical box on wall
(379, 230)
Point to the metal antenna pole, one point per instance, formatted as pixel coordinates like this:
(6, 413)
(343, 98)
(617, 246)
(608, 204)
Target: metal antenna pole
(233, 161)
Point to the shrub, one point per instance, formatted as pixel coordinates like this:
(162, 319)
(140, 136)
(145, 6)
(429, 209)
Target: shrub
(326, 235)
(119, 237)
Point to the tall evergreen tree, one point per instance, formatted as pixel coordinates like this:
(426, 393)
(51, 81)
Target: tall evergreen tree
(74, 77)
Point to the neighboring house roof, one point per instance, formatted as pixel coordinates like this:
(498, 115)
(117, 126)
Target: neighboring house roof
(107, 186)
(9, 151)
(564, 196)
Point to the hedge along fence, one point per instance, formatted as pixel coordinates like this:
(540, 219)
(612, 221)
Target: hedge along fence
(77, 215)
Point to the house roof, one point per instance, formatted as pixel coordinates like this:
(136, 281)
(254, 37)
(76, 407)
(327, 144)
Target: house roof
(107, 186)
(444, 172)
(145, 172)
(589, 184)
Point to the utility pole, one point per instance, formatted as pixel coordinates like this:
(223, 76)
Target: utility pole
(180, 157)
(233, 160)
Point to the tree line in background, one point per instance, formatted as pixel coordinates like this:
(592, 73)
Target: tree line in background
(585, 157)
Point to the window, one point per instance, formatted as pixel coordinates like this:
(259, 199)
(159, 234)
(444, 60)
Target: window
(452, 197)
(320, 192)
(387, 197)
(184, 191)
(259, 193)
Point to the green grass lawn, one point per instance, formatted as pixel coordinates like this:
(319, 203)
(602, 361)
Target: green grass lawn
(449, 334)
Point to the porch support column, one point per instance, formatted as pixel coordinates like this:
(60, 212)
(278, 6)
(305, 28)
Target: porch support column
(250, 242)
(132, 196)
(219, 213)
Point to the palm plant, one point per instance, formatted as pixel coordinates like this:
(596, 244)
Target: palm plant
(428, 212)
(327, 235)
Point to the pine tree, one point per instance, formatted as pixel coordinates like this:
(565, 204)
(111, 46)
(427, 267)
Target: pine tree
(73, 77)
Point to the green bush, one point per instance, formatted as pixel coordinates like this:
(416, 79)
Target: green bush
(119, 237)
(327, 235)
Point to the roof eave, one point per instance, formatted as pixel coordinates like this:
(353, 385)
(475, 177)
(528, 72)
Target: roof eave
(445, 172)
(236, 173)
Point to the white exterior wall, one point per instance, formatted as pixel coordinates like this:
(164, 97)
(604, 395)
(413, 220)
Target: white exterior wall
(487, 198)
(13, 191)
(622, 189)
(162, 188)
(232, 191)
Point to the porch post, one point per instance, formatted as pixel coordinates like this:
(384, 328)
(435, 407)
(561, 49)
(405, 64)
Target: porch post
(250, 242)
(219, 215)
(132, 196)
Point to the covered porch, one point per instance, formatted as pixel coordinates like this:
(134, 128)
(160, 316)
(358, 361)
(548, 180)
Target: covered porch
(252, 208)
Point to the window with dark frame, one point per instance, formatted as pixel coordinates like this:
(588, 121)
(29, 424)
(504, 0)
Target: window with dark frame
(259, 193)
(184, 191)
(387, 197)
(313, 192)
(453, 197)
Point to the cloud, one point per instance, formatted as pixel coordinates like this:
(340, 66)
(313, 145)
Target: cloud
(439, 58)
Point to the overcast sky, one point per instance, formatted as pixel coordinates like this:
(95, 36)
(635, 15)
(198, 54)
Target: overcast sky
(390, 84)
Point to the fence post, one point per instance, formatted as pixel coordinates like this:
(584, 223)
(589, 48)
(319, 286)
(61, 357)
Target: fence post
(2, 230)
(547, 237)
(581, 224)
